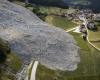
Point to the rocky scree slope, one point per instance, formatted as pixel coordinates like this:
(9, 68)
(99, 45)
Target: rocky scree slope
(33, 39)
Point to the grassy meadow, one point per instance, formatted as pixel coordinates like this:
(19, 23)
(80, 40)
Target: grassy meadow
(61, 22)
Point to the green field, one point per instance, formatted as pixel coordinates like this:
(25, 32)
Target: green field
(94, 36)
(88, 68)
(60, 22)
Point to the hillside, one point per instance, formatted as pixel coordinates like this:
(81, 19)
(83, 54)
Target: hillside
(91, 4)
(88, 4)
(33, 39)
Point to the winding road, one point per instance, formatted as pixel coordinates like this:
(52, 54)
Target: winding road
(85, 23)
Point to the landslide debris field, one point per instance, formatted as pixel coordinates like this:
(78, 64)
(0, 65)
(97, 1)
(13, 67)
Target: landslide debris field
(34, 39)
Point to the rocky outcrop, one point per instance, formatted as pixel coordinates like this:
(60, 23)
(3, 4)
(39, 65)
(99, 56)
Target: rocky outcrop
(31, 38)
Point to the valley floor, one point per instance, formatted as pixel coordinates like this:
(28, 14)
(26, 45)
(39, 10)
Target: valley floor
(89, 66)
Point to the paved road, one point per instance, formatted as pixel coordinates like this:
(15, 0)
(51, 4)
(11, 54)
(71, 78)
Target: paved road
(27, 76)
(33, 73)
(71, 29)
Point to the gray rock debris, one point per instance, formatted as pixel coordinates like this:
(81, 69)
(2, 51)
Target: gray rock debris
(31, 38)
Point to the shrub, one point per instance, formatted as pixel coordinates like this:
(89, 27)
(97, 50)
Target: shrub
(3, 57)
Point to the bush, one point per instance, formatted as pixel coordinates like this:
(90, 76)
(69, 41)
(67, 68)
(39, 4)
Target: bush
(28, 5)
(36, 10)
(3, 57)
(4, 50)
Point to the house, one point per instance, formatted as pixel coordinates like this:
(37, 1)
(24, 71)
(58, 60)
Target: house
(69, 16)
(91, 26)
(97, 17)
(84, 35)
(82, 28)
(84, 31)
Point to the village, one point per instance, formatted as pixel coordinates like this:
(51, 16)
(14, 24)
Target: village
(79, 16)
